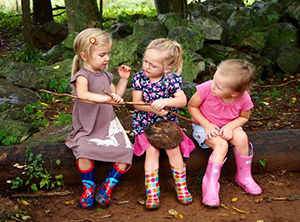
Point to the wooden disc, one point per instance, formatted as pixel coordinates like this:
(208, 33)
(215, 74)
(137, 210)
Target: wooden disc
(164, 134)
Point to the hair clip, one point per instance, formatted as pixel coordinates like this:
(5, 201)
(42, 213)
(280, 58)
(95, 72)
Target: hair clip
(93, 40)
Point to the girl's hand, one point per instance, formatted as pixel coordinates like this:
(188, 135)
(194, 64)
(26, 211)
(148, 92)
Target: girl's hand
(162, 112)
(211, 130)
(226, 132)
(124, 71)
(116, 98)
(158, 104)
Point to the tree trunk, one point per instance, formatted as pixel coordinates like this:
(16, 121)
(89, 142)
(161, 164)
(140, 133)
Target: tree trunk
(81, 14)
(162, 6)
(27, 23)
(42, 12)
(178, 6)
(101, 13)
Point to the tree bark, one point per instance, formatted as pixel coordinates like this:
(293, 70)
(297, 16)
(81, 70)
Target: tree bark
(81, 14)
(27, 23)
(280, 148)
(42, 12)
(179, 6)
(101, 13)
(162, 6)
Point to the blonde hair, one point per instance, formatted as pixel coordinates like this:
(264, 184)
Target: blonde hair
(83, 43)
(171, 50)
(240, 73)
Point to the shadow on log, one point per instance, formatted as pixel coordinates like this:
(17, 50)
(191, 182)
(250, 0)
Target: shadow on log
(280, 148)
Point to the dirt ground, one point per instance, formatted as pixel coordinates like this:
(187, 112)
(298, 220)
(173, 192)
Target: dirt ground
(126, 206)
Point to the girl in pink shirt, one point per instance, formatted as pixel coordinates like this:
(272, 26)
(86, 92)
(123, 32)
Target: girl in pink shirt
(221, 106)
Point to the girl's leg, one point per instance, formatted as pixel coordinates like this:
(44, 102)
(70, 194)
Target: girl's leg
(179, 175)
(151, 178)
(243, 152)
(86, 168)
(210, 182)
(104, 191)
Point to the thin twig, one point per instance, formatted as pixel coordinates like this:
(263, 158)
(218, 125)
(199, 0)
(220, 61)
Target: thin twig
(83, 220)
(259, 119)
(50, 194)
(148, 104)
(111, 103)
(90, 101)
(280, 85)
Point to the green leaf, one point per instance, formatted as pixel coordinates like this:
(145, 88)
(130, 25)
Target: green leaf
(34, 187)
(57, 162)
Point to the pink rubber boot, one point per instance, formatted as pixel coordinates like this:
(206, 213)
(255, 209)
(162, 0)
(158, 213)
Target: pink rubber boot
(243, 176)
(210, 183)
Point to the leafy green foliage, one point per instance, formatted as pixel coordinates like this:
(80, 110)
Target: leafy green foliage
(36, 115)
(37, 177)
(9, 20)
(263, 162)
(63, 119)
(7, 140)
(27, 54)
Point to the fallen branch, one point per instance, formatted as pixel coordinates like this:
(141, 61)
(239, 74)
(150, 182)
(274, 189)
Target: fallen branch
(50, 194)
(280, 85)
(83, 220)
(112, 103)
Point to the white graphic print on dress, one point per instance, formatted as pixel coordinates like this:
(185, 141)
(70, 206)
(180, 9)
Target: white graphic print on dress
(114, 128)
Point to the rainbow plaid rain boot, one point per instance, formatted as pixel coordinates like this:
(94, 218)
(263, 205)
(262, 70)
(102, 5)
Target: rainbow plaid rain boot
(152, 190)
(104, 191)
(183, 193)
(86, 200)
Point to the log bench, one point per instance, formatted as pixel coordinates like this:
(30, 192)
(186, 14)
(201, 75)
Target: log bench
(280, 148)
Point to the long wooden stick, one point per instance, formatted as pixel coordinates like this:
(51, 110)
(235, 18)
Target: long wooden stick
(49, 194)
(149, 104)
(112, 103)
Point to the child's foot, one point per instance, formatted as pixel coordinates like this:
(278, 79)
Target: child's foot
(152, 203)
(86, 200)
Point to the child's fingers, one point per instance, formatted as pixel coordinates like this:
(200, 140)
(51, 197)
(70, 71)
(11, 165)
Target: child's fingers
(127, 68)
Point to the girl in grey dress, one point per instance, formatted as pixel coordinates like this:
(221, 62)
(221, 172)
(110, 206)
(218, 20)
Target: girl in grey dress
(97, 133)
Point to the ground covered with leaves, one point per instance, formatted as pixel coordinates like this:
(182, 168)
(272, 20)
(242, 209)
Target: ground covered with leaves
(279, 202)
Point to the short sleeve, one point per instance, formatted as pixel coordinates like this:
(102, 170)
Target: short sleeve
(110, 77)
(136, 81)
(247, 104)
(74, 77)
(203, 90)
(176, 83)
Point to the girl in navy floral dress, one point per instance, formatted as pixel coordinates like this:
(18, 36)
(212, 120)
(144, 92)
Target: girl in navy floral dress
(158, 85)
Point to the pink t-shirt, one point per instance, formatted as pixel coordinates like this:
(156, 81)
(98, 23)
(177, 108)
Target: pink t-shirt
(216, 110)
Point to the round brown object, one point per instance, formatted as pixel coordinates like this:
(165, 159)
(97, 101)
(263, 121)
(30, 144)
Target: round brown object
(164, 134)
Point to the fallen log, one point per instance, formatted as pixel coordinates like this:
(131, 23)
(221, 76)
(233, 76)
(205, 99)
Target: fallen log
(280, 148)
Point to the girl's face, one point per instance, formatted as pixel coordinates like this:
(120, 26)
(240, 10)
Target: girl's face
(220, 86)
(98, 59)
(153, 65)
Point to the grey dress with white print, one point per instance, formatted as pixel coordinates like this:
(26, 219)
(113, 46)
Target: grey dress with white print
(97, 133)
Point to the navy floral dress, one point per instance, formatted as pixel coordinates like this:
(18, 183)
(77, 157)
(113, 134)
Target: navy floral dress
(169, 84)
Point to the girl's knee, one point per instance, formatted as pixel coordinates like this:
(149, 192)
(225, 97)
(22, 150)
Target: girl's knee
(152, 152)
(240, 138)
(221, 147)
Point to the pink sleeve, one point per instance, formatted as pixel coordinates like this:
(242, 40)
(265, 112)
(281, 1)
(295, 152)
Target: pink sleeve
(247, 103)
(203, 90)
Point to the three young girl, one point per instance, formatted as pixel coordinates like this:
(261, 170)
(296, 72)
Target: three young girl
(220, 106)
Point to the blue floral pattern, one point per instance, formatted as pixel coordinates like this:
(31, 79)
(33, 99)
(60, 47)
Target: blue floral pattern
(169, 84)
